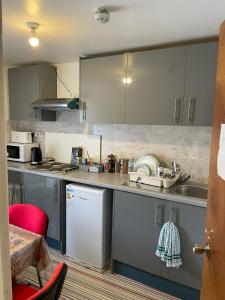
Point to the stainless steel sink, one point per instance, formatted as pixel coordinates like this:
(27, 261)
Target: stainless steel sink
(192, 191)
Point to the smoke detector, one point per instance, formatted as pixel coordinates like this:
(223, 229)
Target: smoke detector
(102, 15)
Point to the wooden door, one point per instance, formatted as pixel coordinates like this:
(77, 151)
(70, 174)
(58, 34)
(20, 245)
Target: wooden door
(214, 265)
(5, 272)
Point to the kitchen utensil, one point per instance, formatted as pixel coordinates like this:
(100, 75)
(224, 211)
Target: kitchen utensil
(36, 156)
(123, 166)
(160, 171)
(175, 167)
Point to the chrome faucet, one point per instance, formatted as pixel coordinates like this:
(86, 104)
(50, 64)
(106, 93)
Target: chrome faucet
(184, 178)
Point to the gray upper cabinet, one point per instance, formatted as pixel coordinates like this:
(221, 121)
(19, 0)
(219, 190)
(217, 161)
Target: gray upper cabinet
(200, 84)
(171, 86)
(155, 92)
(27, 84)
(102, 90)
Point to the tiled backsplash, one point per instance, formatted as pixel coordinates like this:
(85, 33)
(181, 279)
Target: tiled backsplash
(189, 146)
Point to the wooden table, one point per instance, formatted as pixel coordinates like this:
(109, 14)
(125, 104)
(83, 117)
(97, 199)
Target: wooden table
(27, 249)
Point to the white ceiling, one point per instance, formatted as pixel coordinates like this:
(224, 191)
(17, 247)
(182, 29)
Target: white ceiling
(68, 29)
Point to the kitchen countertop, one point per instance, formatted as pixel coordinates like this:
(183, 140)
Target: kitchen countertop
(109, 180)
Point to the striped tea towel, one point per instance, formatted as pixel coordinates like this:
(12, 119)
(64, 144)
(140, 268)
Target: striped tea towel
(169, 246)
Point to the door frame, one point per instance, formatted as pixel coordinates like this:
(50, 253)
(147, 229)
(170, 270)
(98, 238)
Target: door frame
(5, 270)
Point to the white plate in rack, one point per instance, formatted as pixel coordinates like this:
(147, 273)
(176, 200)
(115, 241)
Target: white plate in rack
(143, 168)
(150, 160)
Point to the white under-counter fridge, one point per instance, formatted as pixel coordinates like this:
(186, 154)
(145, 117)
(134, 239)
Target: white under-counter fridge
(88, 224)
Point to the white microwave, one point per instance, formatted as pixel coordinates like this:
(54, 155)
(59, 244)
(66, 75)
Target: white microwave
(20, 152)
(21, 137)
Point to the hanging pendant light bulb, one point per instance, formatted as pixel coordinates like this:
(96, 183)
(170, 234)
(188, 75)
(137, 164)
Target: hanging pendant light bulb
(33, 39)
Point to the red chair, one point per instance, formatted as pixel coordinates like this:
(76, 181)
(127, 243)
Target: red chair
(51, 290)
(29, 217)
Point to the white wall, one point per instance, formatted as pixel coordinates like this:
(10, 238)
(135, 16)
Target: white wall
(69, 73)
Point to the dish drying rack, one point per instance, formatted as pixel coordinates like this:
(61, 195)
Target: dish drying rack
(153, 180)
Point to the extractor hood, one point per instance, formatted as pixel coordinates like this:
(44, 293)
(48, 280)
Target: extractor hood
(59, 104)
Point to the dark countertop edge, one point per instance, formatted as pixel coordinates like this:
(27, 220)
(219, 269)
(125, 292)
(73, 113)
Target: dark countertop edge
(156, 194)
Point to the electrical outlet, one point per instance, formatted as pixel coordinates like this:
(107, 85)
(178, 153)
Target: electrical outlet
(40, 134)
(36, 134)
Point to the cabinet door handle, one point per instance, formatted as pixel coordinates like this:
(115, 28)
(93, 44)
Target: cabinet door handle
(36, 114)
(177, 110)
(173, 215)
(191, 110)
(85, 109)
(11, 191)
(21, 193)
(55, 192)
(158, 214)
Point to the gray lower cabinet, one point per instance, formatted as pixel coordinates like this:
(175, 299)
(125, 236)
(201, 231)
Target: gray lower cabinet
(102, 90)
(27, 84)
(155, 93)
(15, 187)
(45, 192)
(137, 221)
(190, 221)
(200, 84)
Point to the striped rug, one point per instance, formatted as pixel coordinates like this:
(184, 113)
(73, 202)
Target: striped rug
(85, 284)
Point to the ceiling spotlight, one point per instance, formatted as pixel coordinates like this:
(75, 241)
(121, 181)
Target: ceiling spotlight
(102, 15)
(33, 40)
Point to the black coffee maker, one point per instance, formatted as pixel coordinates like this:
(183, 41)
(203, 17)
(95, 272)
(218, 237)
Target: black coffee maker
(36, 156)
